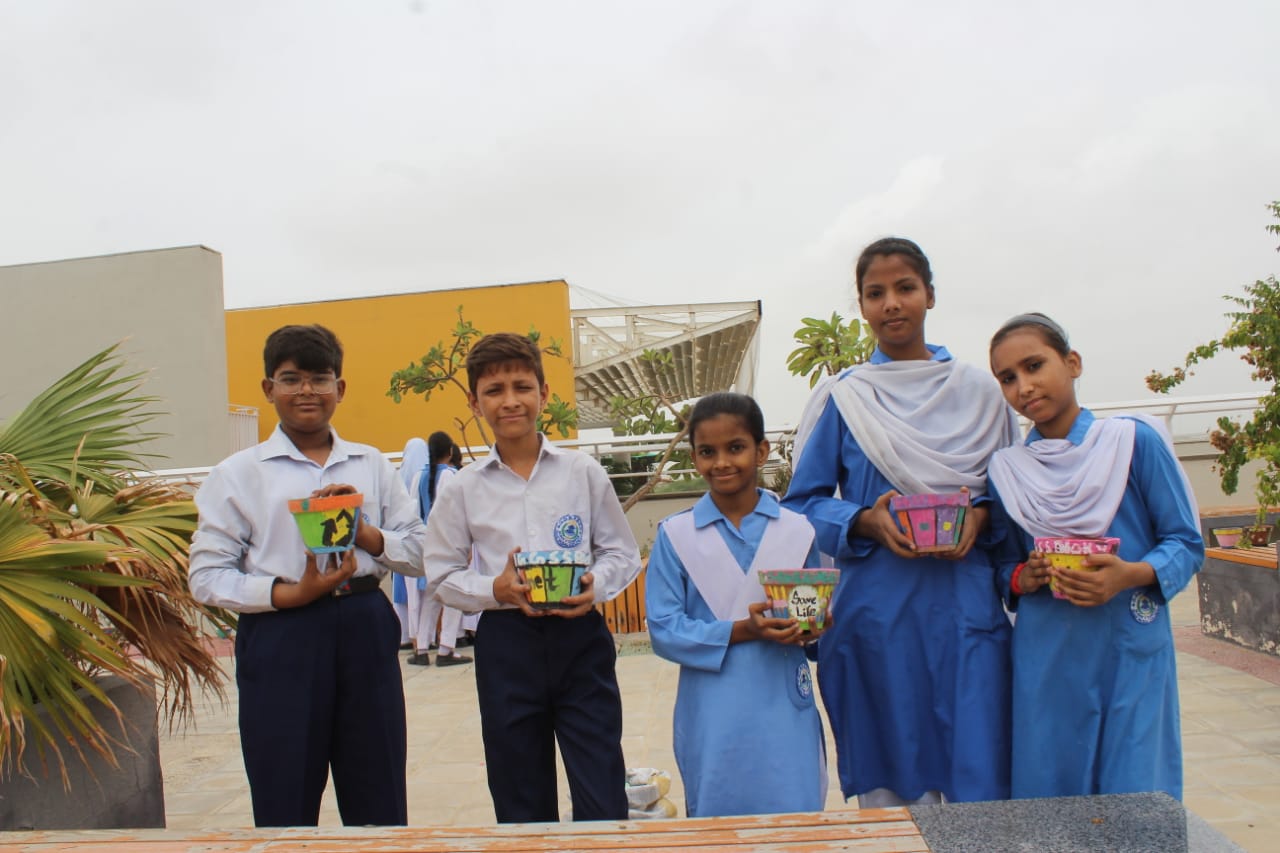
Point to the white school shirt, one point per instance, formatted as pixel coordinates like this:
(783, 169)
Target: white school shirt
(567, 503)
(247, 538)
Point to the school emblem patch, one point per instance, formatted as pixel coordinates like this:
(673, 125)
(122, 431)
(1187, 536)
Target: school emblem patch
(1143, 608)
(568, 531)
(804, 681)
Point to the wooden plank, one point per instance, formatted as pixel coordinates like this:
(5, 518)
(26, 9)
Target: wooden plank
(869, 830)
(633, 608)
(643, 622)
(1261, 555)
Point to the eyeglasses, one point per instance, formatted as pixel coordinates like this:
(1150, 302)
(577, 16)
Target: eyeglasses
(290, 384)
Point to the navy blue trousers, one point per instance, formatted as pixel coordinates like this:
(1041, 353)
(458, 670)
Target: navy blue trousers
(320, 689)
(541, 681)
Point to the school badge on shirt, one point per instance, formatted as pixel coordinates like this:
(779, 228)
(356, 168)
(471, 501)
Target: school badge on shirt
(804, 681)
(568, 531)
(1143, 608)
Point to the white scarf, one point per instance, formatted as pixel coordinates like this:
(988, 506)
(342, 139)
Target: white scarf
(1052, 487)
(927, 426)
(714, 570)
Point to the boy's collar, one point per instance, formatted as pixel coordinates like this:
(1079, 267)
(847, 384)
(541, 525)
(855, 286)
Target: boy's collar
(545, 447)
(278, 444)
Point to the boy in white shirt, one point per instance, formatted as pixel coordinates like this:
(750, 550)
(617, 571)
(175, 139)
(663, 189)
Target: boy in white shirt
(542, 676)
(316, 651)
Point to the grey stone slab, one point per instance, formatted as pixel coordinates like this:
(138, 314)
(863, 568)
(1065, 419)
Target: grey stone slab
(1126, 823)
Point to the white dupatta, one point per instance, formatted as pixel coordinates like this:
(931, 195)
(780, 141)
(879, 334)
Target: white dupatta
(1053, 487)
(927, 426)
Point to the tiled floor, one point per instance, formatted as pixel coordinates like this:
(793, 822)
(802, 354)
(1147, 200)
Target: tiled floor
(1230, 723)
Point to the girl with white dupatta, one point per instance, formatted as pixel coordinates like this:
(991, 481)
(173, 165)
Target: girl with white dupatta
(1095, 689)
(914, 671)
(747, 735)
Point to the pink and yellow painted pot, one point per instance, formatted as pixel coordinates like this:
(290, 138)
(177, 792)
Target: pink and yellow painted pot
(1228, 537)
(933, 521)
(1069, 553)
(328, 524)
(800, 594)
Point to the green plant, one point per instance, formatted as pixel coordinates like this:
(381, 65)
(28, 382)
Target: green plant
(444, 366)
(1254, 331)
(93, 559)
(829, 346)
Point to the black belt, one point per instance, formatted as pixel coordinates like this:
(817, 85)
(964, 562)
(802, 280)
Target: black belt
(363, 583)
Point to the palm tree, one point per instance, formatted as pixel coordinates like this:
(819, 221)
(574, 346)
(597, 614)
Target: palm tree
(93, 558)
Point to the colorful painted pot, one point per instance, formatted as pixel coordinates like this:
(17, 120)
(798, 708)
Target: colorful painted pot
(1260, 537)
(1228, 537)
(932, 521)
(1069, 553)
(328, 525)
(800, 594)
(552, 576)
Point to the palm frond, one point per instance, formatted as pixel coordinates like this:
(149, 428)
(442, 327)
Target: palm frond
(93, 568)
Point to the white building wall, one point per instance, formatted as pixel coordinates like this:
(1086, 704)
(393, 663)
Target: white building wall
(166, 305)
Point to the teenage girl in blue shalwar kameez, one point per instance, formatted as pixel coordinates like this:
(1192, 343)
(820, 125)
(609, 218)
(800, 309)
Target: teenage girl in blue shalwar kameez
(914, 671)
(748, 739)
(1095, 689)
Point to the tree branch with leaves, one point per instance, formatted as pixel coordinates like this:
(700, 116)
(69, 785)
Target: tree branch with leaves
(444, 367)
(1254, 331)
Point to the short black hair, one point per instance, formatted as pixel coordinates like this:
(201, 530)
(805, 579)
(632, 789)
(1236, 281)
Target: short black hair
(728, 403)
(910, 252)
(493, 351)
(313, 348)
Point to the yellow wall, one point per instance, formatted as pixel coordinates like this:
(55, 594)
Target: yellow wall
(382, 334)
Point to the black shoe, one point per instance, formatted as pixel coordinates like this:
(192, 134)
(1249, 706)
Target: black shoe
(420, 659)
(432, 647)
(404, 647)
(451, 660)
(464, 641)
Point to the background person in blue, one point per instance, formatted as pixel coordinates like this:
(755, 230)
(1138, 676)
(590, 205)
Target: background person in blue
(914, 670)
(748, 738)
(1095, 690)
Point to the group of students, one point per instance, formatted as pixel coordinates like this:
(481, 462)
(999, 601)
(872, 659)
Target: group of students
(932, 689)
(321, 689)
(952, 676)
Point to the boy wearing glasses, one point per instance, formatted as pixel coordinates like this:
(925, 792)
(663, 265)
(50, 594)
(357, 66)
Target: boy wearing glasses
(316, 649)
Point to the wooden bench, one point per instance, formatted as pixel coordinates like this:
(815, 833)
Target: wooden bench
(1257, 555)
(868, 831)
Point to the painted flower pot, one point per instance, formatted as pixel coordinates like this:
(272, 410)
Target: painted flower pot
(552, 576)
(328, 524)
(1260, 535)
(932, 521)
(1228, 537)
(800, 594)
(1068, 553)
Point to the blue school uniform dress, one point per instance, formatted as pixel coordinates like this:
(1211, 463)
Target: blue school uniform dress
(1095, 689)
(747, 735)
(915, 670)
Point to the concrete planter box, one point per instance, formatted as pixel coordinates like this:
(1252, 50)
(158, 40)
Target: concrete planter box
(1240, 590)
(101, 796)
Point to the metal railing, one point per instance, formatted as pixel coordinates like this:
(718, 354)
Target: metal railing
(1188, 418)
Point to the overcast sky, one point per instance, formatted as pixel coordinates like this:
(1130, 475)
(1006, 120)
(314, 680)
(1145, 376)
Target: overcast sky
(1105, 162)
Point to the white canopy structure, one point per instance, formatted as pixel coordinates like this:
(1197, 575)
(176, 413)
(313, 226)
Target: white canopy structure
(712, 345)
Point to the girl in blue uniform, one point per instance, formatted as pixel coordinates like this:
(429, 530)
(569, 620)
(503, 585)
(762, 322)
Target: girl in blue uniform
(748, 739)
(914, 671)
(1095, 691)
